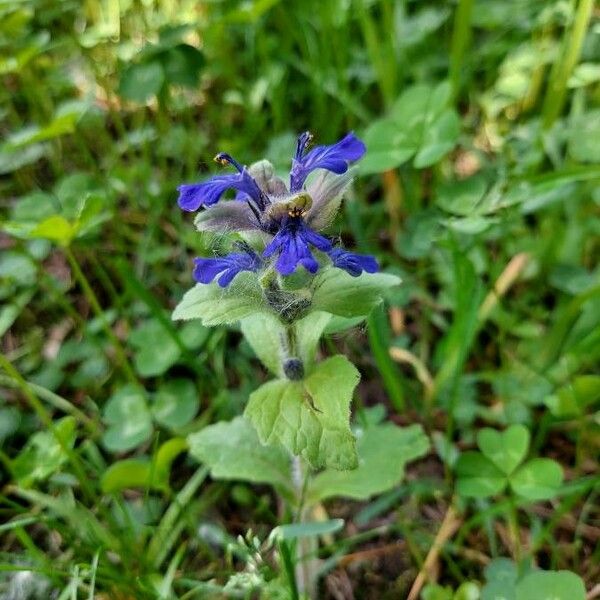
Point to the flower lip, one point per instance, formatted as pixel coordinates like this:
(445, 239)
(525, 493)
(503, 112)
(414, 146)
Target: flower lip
(335, 157)
(225, 268)
(292, 242)
(353, 264)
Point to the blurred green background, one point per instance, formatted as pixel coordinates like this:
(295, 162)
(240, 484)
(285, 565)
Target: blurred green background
(480, 188)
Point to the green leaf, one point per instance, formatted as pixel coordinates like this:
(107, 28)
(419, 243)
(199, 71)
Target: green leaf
(538, 479)
(142, 472)
(156, 350)
(218, 306)
(338, 293)
(419, 123)
(182, 65)
(550, 585)
(42, 456)
(501, 575)
(505, 449)
(310, 417)
(433, 591)
(478, 476)
(383, 451)
(139, 82)
(574, 398)
(175, 403)
(294, 531)
(308, 333)
(265, 332)
(232, 450)
(56, 229)
(128, 419)
(126, 474)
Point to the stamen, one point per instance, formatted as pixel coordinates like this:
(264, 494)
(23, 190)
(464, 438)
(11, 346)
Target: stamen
(304, 140)
(296, 211)
(225, 159)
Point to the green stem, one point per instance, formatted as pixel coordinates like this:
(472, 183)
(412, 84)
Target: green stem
(513, 524)
(55, 400)
(562, 68)
(95, 304)
(461, 39)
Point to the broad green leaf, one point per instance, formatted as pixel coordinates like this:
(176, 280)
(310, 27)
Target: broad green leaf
(12, 159)
(438, 139)
(433, 591)
(478, 477)
(339, 324)
(232, 450)
(506, 449)
(338, 293)
(156, 350)
(43, 455)
(419, 123)
(218, 306)
(128, 420)
(310, 417)
(383, 451)
(139, 82)
(55, 228)
(175, 403)
(574, 398)
(294, 531)
(387, 148)
(143, 472)
(467, 591)
(126, 474)
(182, 65)
(265, 333)
(501, 576)
(550, 585)
(308, 333)
(538, 479)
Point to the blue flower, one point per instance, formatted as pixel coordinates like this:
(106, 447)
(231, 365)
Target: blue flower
(335, 157)
(209, 192)
(293, 243)
(352, 263)
(225, 267)
(264, 204)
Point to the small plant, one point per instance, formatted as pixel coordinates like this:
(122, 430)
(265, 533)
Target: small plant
(286, 282)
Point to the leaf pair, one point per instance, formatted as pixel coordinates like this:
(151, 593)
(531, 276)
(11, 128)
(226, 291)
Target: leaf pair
(233, 451)
(487, 473)
(331, 290)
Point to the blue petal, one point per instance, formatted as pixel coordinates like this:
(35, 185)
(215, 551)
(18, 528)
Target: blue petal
(209, 192)
(335, 157)
(224, 267)
(293, 243)
(354, 264)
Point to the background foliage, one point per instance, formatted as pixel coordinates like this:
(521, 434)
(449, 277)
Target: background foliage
(480, 189)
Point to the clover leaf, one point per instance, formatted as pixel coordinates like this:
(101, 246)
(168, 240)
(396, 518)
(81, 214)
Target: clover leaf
(499, 464)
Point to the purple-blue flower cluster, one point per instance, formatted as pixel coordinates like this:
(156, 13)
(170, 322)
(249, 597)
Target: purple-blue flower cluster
(289, 218)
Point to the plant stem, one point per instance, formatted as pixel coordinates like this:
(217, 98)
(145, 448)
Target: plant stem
(461, 38)
(562, 68)
(306, 547)
(95, 304)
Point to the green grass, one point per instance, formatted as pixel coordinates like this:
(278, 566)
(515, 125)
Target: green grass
(490, 217)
